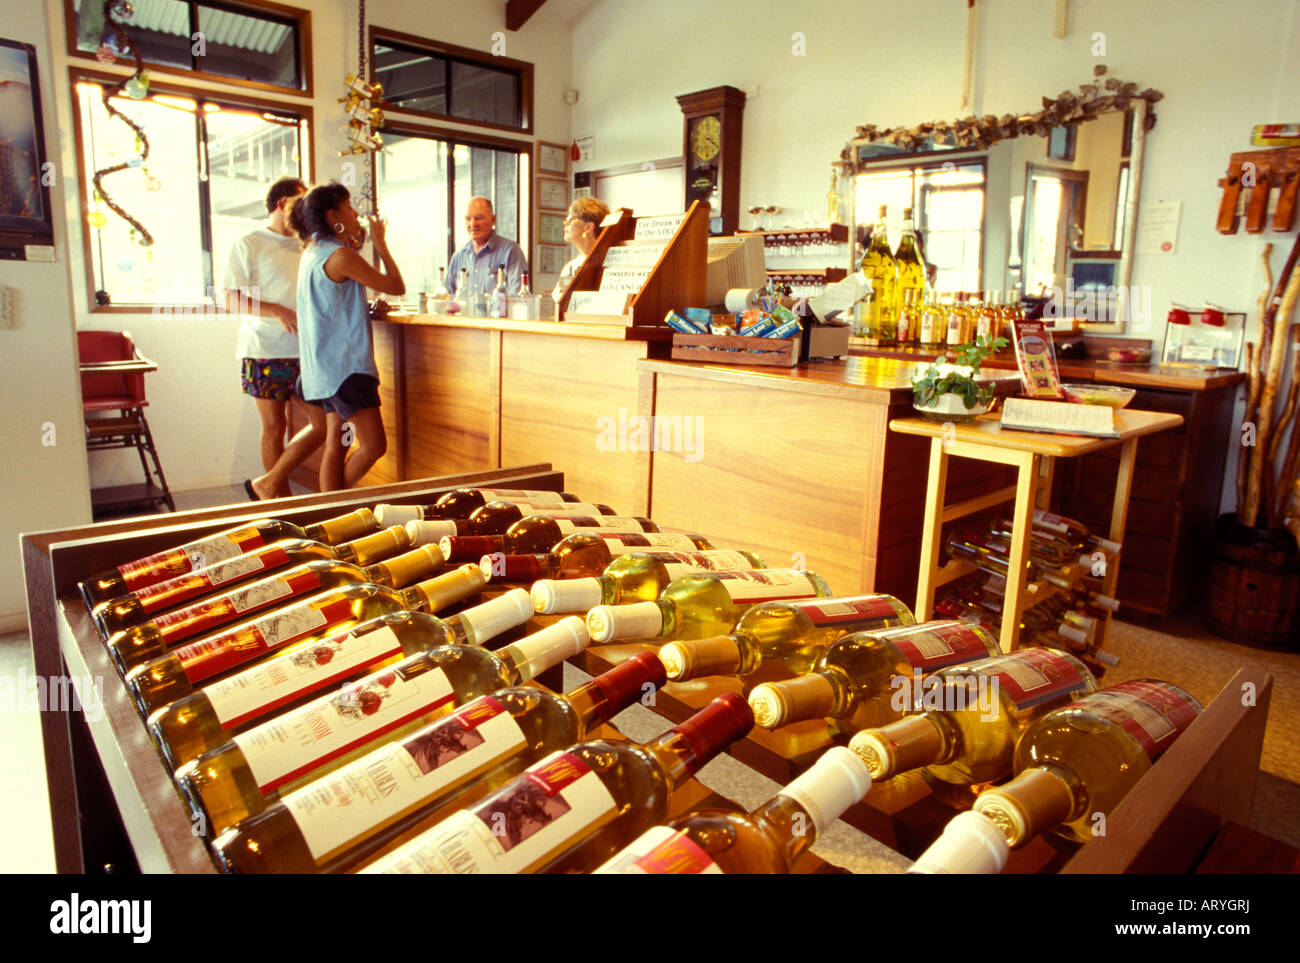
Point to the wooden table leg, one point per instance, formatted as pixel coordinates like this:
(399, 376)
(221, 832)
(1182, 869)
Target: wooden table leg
(1021, 527)
(1048, 471)
(1118, 522)
(930, 530)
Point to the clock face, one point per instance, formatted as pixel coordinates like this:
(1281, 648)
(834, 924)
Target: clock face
(706, 138)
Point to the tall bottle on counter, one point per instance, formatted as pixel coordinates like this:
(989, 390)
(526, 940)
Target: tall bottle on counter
(880, 271)
(911, 269)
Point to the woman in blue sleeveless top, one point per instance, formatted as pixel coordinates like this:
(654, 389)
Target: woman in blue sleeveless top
(338, 353)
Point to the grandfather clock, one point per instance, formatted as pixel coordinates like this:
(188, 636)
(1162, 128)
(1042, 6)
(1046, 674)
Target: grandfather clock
(712, 153)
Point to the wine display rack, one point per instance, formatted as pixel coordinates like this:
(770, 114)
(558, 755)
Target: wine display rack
(1203, 783)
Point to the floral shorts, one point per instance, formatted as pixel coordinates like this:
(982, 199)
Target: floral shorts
(270, 378)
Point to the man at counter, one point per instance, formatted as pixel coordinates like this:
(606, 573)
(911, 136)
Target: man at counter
(485, 253)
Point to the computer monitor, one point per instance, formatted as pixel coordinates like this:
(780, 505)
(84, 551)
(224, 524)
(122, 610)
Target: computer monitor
(734, 262)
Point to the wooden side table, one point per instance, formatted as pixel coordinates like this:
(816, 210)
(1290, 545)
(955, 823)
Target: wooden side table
(1031, 454)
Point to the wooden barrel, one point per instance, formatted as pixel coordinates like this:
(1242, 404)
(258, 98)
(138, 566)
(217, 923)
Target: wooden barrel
(1255, 585)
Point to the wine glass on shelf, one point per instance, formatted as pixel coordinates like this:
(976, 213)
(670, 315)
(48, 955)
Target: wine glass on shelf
(756, 211)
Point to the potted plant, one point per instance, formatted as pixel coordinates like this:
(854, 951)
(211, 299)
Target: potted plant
(950, 392)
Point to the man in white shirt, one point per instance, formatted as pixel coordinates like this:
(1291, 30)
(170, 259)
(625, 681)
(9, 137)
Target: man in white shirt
(261, 284)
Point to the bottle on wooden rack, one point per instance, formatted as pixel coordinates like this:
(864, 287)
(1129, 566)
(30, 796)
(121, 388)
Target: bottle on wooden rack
(638, 577)
(189, 727)
(973, 715)
(573, 810)
(1073, 766)
(247, 774)
(200, 553)
(178, 673)
(587, 554)
(344, 817)
(536, 533)
(464, 501)
(780, 639)
(496, 517)
(137, 644)
(765, 840)
(864, 680)
(1075, 533)
(700, 606)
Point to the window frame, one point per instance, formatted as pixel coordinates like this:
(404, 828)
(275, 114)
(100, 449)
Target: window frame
(451, 52)
(271, 11)
(239, 101)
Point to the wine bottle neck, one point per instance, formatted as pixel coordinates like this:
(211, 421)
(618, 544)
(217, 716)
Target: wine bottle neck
(372, 548)
(910, 743)
(1034, 801)
(732, 654)
(611, 692)
(436, 594)
(818, 695)
(407, 568)
(333, 531)
(531, 656)
(683, 750)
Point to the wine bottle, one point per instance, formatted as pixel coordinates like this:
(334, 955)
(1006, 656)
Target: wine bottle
(970, 843)
(955, 314)
(881, 273)
(203, 552)
(911, 269)
(780, 639)
(588, 553)
(499, 305)
(342, 818)
(700, 606)
(640, 576)
(244, 776)
(972, 716)
(496, 517)
(993, 554)
(863, 680)
(176, 674)
(139, 607)
(442, 292)
(1075, 533)
(536, 533)
(765, 840)
(189, 727)
(1081, 760)
(137, 644)
(462, 502)
(577, 807)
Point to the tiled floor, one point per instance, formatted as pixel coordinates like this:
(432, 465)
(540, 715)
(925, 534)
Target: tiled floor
(1185, 653)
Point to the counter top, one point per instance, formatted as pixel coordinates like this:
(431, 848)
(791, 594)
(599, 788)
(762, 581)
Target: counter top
(876, 380)
(1090, 370)
(564, 329)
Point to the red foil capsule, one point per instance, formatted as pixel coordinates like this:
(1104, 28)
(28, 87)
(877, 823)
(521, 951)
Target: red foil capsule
(1213, 317)
(1179, 316)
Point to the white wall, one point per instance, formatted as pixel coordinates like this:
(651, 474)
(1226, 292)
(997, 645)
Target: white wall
(206, 429)
(44, 485)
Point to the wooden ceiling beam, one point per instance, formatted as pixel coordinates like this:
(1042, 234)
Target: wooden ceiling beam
(518, 12)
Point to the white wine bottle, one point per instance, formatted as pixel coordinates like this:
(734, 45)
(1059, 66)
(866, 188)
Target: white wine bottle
(587, 554)
(881, 273)
(911, 269)
(244, 776)
(342, 818)
(152, 569)
(462, 502)
(699, 606)
(639, 577)
(537, 533)
(187, 728)
(778, 639)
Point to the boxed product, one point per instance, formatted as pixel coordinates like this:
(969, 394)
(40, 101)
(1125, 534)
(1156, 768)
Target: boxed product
(1036, 359)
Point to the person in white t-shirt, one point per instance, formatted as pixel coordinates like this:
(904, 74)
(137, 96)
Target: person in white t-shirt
(261, 284)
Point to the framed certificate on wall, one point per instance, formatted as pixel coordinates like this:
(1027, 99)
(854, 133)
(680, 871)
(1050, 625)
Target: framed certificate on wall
(552, 158)
(552, 194)
(550, 228)
(551, 258)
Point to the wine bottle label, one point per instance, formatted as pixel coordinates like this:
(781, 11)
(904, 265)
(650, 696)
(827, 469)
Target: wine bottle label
(1152, 714)
(381, 787)
(517, 829)
(1034, 676)
(940, 646)
(677, 564)
(766, 585)
(867, 608)
(195, 619)
(660, 851)
(282, 749)
(620, 543)
(190, 556)
(547, 506)
(152, 598)
(215, 654)
(579, 523)
(502, 494)
(261, 689)
(1053, 523)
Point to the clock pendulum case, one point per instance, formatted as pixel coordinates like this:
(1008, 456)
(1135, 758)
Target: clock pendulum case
(712, 120)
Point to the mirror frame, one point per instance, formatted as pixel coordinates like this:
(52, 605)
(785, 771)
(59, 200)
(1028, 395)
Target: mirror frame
(980, 133)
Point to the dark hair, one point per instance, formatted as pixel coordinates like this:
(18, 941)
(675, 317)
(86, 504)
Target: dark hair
(307, 216)
(284, 187)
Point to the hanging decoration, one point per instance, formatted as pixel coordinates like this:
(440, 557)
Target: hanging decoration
(363, 103)
(118, 41)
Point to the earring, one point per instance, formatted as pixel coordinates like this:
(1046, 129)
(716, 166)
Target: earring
(338, 228)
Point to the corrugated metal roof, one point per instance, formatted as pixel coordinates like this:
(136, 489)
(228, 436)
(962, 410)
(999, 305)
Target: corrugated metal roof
(220, 27)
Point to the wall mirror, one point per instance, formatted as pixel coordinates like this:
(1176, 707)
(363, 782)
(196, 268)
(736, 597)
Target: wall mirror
(1034, 203)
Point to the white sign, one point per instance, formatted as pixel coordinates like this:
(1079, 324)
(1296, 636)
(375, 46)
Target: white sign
(1158, 227)
(658, 228)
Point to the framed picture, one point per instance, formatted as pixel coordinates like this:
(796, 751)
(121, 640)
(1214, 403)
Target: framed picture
(1061, 141)
(552, 194)
(581, 192)
(550, 228)
(552, 158)
(25, 217)
(551, 258)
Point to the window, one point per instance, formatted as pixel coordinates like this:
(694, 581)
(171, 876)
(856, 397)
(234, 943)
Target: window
(440, 80)
(259, 45)
(210, 166)
(948, 208)
(423, 183)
